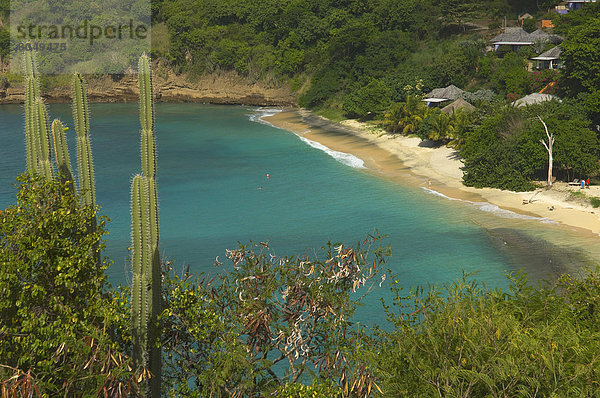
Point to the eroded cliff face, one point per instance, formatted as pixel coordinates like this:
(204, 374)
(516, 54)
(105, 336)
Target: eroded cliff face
(221, 88)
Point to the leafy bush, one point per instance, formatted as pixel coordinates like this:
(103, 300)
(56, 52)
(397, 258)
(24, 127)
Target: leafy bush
(368, 101)
(465, 340)
(529, 25)
(478, 97)
(537, 80)
(56, 321)
(324, 85)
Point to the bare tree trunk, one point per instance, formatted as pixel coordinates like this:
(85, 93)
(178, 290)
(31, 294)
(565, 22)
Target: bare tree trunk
(548, 147)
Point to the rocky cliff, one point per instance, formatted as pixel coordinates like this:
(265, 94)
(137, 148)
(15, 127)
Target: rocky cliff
(222, 88)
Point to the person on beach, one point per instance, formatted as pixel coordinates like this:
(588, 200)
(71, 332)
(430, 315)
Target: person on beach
(582, 184)
(429, 182)
(587, 183)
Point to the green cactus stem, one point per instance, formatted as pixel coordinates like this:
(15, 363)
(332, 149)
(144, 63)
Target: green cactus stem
(42, 139)
(32, 93)
(146, 284)
(85, 164)
(29, 124)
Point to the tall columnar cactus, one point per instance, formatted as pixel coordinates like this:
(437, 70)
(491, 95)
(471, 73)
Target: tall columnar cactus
(85, 165)
(146, 284)
(37, 134)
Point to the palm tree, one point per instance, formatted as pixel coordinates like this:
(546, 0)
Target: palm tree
(393, 117)
(441, 128)
(461, 122)
(405, 116)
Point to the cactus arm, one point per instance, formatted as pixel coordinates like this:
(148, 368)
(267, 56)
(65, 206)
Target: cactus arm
(85, 164)
(42, 134)
(29, 124)
(61, 152)
(146, 100)
(32, 94)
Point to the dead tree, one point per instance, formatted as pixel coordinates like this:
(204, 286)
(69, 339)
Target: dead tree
(548, 147)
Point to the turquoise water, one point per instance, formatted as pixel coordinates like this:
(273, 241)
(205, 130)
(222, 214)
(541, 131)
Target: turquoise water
(213, 160)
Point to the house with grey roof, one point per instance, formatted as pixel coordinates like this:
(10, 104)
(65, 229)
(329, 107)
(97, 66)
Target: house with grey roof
(549, 59)
(513, 37)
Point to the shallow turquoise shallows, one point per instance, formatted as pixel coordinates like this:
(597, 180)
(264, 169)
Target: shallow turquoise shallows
(212, 163)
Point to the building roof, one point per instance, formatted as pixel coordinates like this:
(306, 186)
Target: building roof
(518, 36)
(541, 36)
(553, 53)
(458, 104)
(534, 98)
(513, 35)
(449, 93)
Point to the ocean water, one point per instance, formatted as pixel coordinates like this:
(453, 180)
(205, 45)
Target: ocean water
(212, 162)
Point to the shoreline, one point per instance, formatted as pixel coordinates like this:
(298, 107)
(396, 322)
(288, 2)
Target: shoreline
(382, 154)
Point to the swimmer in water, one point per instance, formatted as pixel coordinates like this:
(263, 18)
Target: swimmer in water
(268, 176)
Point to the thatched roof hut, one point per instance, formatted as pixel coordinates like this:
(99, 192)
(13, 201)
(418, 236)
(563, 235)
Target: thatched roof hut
(458, 104)
(448, 93)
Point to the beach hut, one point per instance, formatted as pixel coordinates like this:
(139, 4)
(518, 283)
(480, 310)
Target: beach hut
(458, 104)
(440, 95)
(549, 59)
(535, 98)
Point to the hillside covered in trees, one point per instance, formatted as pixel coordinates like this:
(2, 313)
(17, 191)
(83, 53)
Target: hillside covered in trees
(328, 50)
(376, 59)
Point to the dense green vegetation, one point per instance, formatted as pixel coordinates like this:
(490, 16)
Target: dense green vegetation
(344, 50)
(465, 340)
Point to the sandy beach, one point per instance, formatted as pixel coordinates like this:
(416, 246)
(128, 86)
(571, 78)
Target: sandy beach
(410, 160)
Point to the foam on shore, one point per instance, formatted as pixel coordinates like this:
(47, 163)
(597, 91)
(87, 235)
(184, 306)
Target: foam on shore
(491, 208)
(258, 114)
(347, 159)
(342, 157)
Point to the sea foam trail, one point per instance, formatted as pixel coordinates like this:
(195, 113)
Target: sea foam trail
(258, 114)
(342, 157)
(491, 208)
